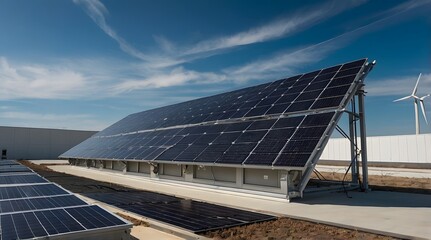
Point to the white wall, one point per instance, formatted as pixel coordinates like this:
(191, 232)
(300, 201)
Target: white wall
(39, 143)
(399, 148)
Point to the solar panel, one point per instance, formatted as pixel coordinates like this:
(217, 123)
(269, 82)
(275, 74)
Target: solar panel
(20, 179)
(28, 191)
(55, 222)
(14, 168)
(276, 124)
(18, 205)
(8, 162)
(185, 213)
(31, 207)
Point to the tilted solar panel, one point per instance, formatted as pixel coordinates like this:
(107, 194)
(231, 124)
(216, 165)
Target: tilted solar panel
(8, 162)
(14, 168)
(277, 124)
(55, 222)
(31, 207)
(28, 191)
(20, 179)
(45, 202)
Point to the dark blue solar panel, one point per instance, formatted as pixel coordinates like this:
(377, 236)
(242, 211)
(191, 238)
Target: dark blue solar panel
(8, 162)
(45, 202)
(19, 179)
(236, 153)
(233, 117)
(185, 213)
(212, 153)
(25, 191)
(13, 168)
(45, 223)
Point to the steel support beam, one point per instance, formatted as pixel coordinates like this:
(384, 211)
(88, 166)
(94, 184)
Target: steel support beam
(353, 137)
(363, 134)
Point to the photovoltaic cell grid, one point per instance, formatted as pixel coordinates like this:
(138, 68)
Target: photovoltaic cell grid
(8, 162)
(29, 191)
(31, 207)
(231, 128)
(52, 222)
(21, 179)
(13, 168)
(188, 214)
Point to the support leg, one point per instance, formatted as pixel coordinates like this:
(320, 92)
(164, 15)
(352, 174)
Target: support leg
(363, 139)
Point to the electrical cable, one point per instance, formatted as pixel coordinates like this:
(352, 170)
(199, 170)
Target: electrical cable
(319, 175)
(342, 182)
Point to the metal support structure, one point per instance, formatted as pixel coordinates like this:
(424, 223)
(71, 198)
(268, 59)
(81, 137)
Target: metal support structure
(353, 149)
(363, 134)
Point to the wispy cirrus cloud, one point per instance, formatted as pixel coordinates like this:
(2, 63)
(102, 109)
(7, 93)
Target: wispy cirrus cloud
(178, 76)
(280, 64)
(276, 29)
(97, 11)
(174, 55)
(97, 78)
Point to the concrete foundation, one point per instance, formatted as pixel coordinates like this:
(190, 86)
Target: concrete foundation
(261, 180)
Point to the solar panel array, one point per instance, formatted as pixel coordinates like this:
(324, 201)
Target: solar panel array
(274, 124)
(32, 207)
(185, 213)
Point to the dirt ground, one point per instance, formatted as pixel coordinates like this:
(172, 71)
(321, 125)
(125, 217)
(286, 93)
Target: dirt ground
(387, 183)
(282, 228)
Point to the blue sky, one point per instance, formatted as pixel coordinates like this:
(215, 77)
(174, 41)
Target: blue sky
(85, 64)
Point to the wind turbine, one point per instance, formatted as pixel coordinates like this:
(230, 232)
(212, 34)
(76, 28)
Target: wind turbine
(419, 100)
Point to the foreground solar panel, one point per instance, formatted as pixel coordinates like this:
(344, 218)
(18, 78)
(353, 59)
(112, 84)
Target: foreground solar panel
(31, 207)
(56, 222)
(14, 168)
(22, 178)
(29, 191)
(275, 125)
(8, 162)
(30, 204)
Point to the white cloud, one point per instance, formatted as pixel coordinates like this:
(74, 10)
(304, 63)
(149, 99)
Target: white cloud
(280, 65)
(97, 12)
(81, 78)
(177, 55)
(35, 81)
(177, 77)
(275, 29)
(398, 86)
(40, 120)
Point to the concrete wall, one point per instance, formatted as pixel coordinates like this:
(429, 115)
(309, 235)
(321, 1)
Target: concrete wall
(261, 180)
(215, 173)
(385, 149)
(39, 143)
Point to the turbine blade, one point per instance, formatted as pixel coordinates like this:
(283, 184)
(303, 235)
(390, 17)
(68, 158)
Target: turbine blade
(404, 98)
(423, 111)
(417, 83)
(428, 95)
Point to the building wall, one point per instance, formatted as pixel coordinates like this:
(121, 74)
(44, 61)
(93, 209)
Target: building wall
(261, 180)
(39, 143)
(386, 149)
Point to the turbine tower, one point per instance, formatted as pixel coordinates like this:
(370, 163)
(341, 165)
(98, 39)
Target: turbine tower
(419, 100)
